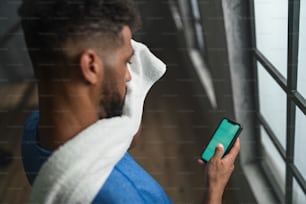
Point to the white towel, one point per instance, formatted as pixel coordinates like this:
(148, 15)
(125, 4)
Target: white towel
(77, 170)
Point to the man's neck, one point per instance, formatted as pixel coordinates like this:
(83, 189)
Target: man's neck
(62, 117)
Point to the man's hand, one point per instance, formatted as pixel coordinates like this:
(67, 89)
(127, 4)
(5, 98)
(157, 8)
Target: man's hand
(219, 171)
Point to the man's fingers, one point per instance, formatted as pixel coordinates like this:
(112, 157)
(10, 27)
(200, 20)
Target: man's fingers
(234, 151)
(219, 151)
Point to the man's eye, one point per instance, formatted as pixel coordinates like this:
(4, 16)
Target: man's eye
(129, 62)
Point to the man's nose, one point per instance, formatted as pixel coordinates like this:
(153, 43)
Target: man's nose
(128, 75)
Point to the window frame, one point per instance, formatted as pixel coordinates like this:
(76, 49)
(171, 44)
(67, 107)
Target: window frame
(294, 99)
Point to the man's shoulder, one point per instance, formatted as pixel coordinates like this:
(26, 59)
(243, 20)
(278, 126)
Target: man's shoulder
(127, 183)
(130, 183)
(32, 155)
(31, 123)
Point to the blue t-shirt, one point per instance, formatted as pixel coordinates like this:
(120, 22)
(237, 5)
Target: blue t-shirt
(127, 183)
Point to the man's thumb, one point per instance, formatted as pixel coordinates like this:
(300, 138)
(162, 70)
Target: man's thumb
(219, 151)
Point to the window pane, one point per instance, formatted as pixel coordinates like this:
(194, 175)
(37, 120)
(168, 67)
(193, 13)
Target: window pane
(271, 21)
(302, 51)
(197, 24)
(300, 141)
(272, 104)
(274, 160)
(298, 194)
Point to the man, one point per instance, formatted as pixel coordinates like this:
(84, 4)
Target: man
(80, 51)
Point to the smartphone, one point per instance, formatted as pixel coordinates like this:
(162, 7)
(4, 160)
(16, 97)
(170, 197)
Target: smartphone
(225, 134)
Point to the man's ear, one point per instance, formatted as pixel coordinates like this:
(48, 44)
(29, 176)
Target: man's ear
(91, 66)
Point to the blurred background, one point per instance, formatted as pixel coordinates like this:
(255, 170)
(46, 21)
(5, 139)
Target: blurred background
(242, 59)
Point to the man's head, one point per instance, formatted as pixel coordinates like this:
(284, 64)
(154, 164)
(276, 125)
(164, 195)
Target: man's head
(82, 42)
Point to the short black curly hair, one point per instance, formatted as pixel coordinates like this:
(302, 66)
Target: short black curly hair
(48, 24)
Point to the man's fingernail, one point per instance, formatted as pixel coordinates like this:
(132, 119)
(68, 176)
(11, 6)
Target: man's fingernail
(220, 145)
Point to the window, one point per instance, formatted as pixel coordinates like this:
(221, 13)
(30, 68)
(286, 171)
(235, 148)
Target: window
(186, 15)
(279, 41)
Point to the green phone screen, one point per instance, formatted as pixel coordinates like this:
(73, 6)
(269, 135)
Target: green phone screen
(224, 134)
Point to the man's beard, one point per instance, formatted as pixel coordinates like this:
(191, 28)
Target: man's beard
(112, 104)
